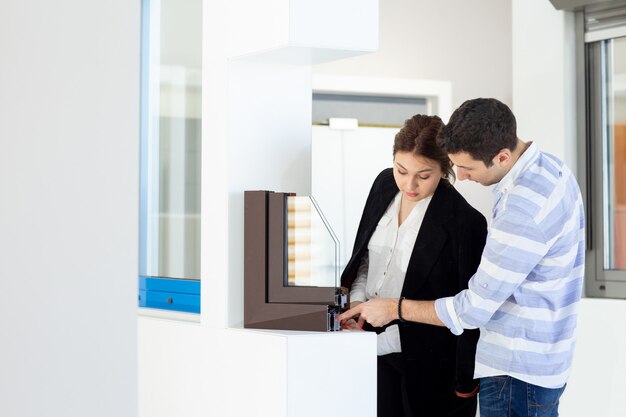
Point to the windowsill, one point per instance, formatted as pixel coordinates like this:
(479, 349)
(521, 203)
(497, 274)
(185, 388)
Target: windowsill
(168, 314)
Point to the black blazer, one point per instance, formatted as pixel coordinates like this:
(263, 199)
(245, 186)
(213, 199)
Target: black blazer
(446, 254)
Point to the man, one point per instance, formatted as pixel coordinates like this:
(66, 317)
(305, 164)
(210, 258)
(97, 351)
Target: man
(524, 296)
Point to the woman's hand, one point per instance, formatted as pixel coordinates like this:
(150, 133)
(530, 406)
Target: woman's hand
(352, 324)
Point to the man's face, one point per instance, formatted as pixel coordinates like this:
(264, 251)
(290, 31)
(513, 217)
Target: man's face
(468, 168)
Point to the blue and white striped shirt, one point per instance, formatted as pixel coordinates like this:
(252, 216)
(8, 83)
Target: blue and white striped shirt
(524, 296)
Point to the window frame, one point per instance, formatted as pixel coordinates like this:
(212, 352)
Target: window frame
(268, 302)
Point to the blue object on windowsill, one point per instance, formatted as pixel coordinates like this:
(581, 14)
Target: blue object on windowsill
(169, 294)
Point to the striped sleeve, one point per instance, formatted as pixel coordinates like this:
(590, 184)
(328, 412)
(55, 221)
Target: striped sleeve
(515, 245)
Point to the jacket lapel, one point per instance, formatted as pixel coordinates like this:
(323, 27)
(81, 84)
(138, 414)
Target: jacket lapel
(430, 241)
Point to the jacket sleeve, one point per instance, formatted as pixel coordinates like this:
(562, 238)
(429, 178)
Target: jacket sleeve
(470, 251)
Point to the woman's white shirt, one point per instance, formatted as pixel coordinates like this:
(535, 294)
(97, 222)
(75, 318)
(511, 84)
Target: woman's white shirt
(382, 271)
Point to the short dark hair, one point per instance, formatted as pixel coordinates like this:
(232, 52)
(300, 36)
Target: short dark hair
(482, 127)
(419, 135)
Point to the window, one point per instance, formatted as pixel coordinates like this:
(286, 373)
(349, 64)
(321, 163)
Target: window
(170, 155)
(291, 275)
(605, 149)
(369, 110)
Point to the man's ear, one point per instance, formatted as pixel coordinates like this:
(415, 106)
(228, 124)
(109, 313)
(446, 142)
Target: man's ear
(503, 157)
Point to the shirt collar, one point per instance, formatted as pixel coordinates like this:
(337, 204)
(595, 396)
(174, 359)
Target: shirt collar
(526, 159)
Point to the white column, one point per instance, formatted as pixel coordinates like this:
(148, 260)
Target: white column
(69, 191)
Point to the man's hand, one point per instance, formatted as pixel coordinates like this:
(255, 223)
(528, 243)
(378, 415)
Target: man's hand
(380, 311)
(377, 312)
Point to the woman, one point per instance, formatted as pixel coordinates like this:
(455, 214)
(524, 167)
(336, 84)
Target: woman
(418, 238)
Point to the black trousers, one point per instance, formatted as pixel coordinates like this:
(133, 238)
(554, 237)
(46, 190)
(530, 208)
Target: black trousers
(391, 387)
(397, 399)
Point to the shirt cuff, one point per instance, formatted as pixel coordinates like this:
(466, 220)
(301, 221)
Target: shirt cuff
(444, 307)
(358, 296)
(388, 341)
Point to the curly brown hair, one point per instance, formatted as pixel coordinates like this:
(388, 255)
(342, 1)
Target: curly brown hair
(419, 137)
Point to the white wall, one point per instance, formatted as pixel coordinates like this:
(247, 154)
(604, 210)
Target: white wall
(465, 42)
(69, 163)
(544, 95)
(597, 385)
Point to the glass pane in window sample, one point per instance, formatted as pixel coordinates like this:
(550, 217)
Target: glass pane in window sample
(614, 155)
(171, 139)
(312, 247)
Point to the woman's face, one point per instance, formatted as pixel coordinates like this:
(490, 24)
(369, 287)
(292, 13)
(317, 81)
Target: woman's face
(416, 176)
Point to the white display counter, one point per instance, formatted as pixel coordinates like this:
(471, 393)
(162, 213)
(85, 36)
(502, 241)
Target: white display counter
(190, 370)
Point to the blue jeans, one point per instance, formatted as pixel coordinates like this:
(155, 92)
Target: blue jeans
(505, 396)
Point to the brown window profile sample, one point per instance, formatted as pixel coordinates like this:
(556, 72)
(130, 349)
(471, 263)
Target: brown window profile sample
(269, 302)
